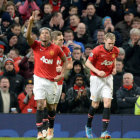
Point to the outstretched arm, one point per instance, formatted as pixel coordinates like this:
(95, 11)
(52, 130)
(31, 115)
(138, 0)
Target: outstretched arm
(29, 30)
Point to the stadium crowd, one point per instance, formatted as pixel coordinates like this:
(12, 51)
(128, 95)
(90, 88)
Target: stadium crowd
(83, 24)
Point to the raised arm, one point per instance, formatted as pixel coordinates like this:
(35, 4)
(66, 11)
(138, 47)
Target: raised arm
(29, 30)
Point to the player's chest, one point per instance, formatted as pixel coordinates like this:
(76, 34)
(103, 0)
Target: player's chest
(106, 56)
(48, 53)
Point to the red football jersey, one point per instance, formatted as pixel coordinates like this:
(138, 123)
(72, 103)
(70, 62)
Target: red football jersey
(45, 60)
(102, 59)
(59, 61)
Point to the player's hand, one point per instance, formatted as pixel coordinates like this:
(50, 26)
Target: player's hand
(58, 78)
(114, 71)
(101, 73)
(59, 68)
(32, 18)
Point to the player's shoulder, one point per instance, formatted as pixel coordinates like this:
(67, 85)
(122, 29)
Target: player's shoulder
(98, 48)
(55, 46)
(116, 49)
(65, 48)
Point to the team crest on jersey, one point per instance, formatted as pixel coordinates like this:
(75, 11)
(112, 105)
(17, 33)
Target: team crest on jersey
(91, 54)
(51, 52)
(113, 55)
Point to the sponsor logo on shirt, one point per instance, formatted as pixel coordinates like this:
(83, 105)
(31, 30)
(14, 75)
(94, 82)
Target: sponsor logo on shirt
(58, 62)
(106, 63)
(46, 61)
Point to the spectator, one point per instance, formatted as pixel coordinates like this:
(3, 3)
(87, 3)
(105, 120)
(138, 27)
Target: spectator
(134, 39)
(77, 69)
(74, 21)
(27, 65)
(47, 13)
(110, 8)
(2, 57)
(78, 96)
(14, 54)
(26, 9)
(81, 34)
(5, 24)
(2, 6)
(136, 23)
(88, 49)
(92, 19)
(70, 42)
(16, 29)
(127, 95)
(73, 10)
(124, 26)
(12, 42)
(16, 80)
(121, 55)
(8, 100)
(26, 101)
(56, 22)
(58, 5)
(99, 38)
(132, 58)
(109, 27)
(11, 9)
(117, 83)
(136, 8)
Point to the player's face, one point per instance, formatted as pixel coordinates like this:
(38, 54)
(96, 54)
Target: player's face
(45, 36)
(109, 44)
(59, 41)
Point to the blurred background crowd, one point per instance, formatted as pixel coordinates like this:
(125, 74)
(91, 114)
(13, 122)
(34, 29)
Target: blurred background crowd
(83, 24)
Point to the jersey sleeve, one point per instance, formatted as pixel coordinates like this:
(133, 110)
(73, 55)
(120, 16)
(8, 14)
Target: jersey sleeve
(35, 44)
(60, 52)
(93, 55)
(117, 50)
(68, 54)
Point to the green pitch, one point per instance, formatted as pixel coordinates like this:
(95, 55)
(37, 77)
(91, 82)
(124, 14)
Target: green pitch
(66, 139)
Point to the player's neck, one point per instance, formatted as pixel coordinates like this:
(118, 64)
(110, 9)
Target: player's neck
(107, 49)
(45, 44)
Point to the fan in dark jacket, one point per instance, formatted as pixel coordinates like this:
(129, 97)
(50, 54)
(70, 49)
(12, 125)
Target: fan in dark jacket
(78, 96)
(127, 95)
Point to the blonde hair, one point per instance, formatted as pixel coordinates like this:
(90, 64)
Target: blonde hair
(55, 34)
(110, 36)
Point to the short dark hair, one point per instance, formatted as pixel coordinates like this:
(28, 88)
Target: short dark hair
(76, 48)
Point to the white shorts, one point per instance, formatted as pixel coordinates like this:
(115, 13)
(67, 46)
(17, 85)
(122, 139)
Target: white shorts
(45, 89)
(59, 92)
(101, 87)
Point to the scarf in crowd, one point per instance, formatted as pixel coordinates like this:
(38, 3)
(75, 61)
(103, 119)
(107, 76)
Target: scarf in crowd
(129, 87)
(76, 88)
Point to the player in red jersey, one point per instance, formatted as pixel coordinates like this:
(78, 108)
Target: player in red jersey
(101, 63)
(45, 75)
(57, 39)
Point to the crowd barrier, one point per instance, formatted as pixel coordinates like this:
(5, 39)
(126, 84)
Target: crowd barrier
(66, 125)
